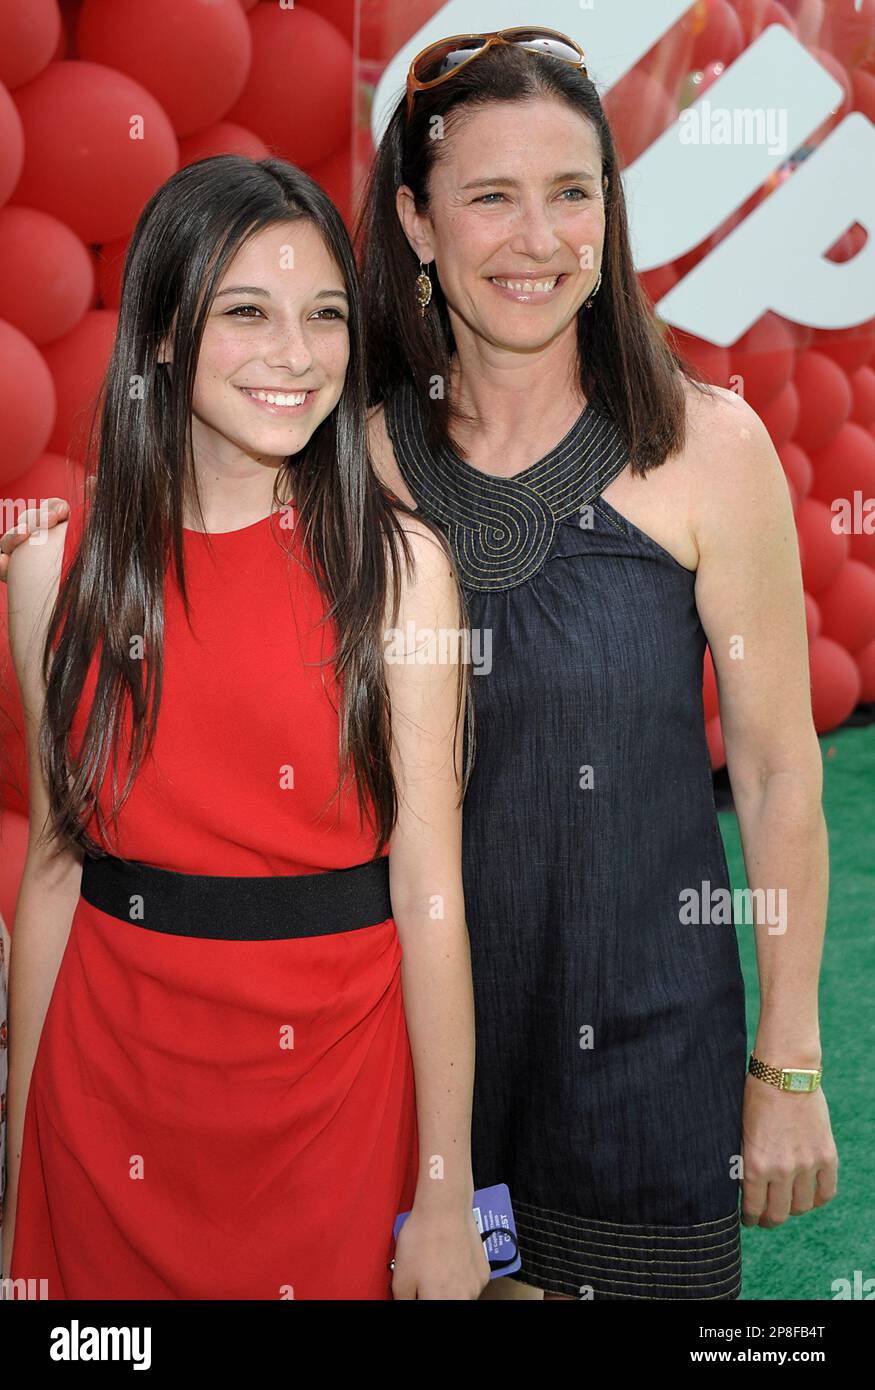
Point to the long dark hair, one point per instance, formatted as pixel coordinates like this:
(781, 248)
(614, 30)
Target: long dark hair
(626, 367)
(186, 236)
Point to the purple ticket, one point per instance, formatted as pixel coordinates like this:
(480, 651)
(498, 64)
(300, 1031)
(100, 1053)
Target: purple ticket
(494, 1217)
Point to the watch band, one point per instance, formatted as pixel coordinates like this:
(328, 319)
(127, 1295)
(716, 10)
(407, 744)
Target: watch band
(799, 1079)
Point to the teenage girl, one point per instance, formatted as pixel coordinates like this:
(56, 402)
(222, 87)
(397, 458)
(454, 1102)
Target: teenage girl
(240, 969)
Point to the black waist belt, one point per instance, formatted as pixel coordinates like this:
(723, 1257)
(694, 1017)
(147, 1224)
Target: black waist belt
(267, 908)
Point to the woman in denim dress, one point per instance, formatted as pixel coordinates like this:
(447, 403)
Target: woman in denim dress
(609, 517)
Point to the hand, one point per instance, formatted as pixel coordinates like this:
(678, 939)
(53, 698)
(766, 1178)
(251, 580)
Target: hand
(790, 1158)
(439, 1255)
(53, 510)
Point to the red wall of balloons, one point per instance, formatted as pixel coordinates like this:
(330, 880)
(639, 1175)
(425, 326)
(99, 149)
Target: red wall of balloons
(239, 76)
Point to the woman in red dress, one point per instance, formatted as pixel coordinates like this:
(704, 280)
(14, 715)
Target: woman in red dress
(212, 1063)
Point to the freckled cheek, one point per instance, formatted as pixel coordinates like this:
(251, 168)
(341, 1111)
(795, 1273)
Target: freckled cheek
(221, 358)
(336, 351)
(332, 356)
(212, 377)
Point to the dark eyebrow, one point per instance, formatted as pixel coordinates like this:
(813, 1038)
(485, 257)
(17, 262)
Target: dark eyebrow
(265, 294)
(513, 183)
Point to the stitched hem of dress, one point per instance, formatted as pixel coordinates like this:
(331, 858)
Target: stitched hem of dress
(572, 1255)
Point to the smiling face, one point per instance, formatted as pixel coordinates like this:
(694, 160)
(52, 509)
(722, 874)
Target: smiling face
(275, 347)
(516, 221)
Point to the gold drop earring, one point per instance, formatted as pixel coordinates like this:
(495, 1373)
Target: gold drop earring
(423, 289)
(596, 288)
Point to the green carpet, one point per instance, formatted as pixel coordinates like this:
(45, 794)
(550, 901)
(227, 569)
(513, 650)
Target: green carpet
(800, 1259)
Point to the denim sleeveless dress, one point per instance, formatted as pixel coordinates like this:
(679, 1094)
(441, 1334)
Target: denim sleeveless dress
(610, 1028)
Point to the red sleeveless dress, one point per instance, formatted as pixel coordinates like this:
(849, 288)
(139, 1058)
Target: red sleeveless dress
(175, 1146)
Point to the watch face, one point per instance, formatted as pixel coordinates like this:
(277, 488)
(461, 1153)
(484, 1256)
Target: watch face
(798, 1080)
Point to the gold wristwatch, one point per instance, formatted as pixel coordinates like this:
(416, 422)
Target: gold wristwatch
(786, 1078)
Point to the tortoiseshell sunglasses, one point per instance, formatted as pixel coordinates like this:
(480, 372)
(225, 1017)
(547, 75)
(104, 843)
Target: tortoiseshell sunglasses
(459, 50)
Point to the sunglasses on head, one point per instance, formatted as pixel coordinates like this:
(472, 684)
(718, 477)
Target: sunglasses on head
(450, 55)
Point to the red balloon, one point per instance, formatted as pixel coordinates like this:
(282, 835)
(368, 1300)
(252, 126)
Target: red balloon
(838, 71)
(706, 77)
(849, 348)
(863, 548)
(11, 145)
(714, 736)
(94, 254)
(863, 390)
(824, 550)
(51, 476)
(639, 109)
(863, 88)
(849, 31)
(48, 279)
(797, 466)
(835, 684)
(83, 165)
(27, 402)
(249, 4)
(335, 176)
(801, 333)
(824, 400)
(298, 97)
(865, 660)
(781, 415)
(341, 14)
(109, 266)
(712, 361)
(845, 466)
(29, 35)
(852, 347)
(671, 59)
(78, 363)
(779, 14)
(67, 42)
(362, 159)
(809, 19)
(812, 617)
(193, 58)
(222, 138)
(13, 753)
(721, 39)
(757, 15)
(384, 25)
(847, 606)
(764, 357)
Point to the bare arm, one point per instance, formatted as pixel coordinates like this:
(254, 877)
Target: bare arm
(439, 1252)
(749, 595)
(50, 882)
